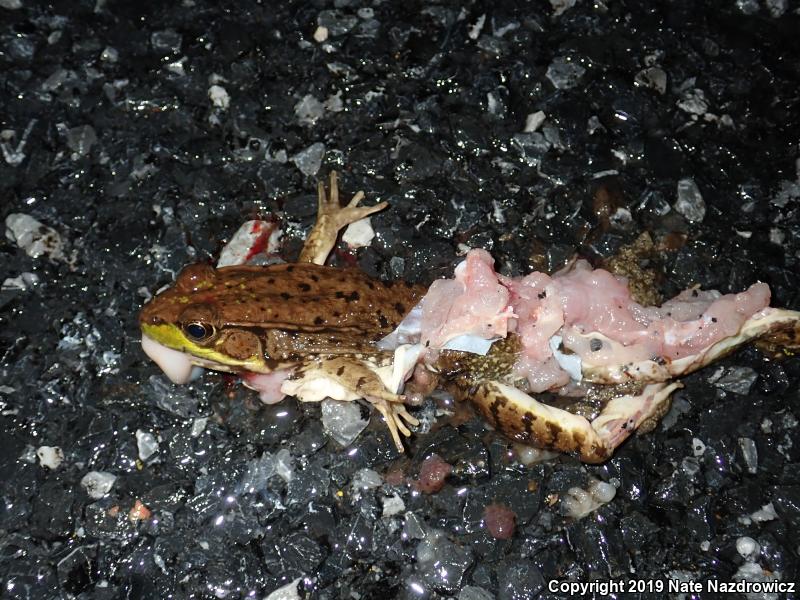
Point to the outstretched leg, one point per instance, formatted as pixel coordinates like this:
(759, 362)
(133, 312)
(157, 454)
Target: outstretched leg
(332, 218)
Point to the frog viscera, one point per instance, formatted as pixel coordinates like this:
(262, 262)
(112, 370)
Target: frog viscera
(600, 364)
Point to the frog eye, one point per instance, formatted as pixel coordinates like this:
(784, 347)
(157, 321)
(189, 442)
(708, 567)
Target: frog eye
(198, 331)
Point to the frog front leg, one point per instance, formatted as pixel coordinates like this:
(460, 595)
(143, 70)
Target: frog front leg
(524, 419)
(350, 378)
(331, 219)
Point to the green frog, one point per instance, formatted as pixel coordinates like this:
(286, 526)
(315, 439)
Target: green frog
(303, 329)
(313, 331)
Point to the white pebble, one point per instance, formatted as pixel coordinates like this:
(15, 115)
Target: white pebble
(98, 483)
(534, 120)
(36, 238)
(219, 96)
(198, 426)
(393, 505)
(146, 443)
(287, 592)
(321, 34)
(748, 547)
(359, 234)
(50, 456)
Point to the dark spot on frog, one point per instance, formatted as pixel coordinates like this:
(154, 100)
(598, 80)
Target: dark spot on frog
(370, 285)
(554, 429)
(351, 297)
(361, 381)
(713, 319)
(318, 320)
(400, 307)
(383, 321)
(285, 295)
(314, 278)
(303, 287)
(290, 268)
(336, 314)
(388, 284)
(339, 371)
(542, 295)
(595, 344)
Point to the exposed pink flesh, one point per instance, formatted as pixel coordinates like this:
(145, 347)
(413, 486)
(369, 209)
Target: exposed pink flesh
(575, 304)
(268, 385)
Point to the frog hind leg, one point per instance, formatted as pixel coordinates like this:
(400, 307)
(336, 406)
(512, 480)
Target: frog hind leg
(331, 219)
(348, 378)
(524, 419)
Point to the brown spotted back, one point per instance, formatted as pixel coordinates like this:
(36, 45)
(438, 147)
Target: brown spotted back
(291, 297)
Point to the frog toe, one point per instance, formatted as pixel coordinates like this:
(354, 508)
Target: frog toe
(394, 414)
(332, 217)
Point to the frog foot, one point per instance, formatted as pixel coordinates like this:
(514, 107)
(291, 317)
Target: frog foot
(331, 219)
(349, 378)
(522, 418)
(394, 413)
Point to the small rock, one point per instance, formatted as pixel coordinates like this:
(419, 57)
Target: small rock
(21, 283)
(441, 564)
(308, 109)
(653, 78)
(146, 443)
(690, 201)
(749, 454)
(320, 34)
(309, 160)
(561, 6)
(365, 479)
(37, 239)
(359, 234)
(737, 380)
(98, 483)
(50, 456)
(335, 22)
(219, 97)
(287, 592)
(534, 120)
(776, 8)
(81, 139)
(693, 102)
(500, 521)
(748, 548)
(139, 512)
(564, 73)
(342, 420)
(393, 505)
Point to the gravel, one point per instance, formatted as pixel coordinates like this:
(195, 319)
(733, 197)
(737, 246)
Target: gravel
(136, 138)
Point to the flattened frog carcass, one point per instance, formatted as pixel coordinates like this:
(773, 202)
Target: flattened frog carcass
(313, 331)
(303, 329)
